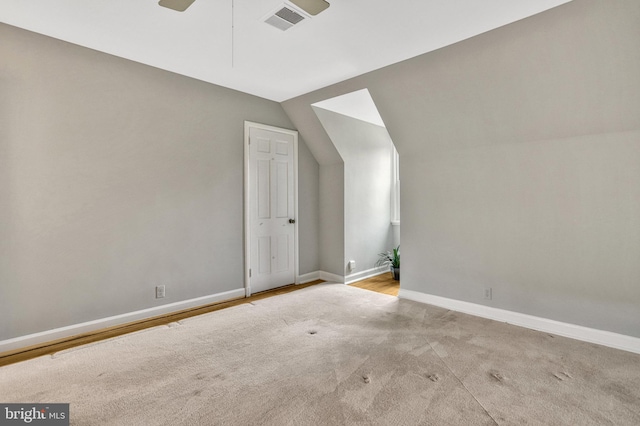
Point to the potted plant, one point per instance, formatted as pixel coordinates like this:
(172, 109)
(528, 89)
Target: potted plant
(391, 258)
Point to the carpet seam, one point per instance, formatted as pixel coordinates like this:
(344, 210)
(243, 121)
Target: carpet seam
(460, 381)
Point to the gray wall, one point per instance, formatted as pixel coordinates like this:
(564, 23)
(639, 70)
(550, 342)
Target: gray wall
(331, 219)
(308, 210)
(519, 164)
(366, 149)
(117, 177)
(330, 213)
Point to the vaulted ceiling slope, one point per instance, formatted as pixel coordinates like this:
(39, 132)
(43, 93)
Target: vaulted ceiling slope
(226, 42)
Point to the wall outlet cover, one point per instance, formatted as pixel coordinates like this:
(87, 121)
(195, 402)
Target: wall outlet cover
(487, 293)
(160, 292)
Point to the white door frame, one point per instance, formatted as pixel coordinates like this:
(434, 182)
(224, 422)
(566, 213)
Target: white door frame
(247, 201)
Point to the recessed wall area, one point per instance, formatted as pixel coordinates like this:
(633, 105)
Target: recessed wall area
(357, 131)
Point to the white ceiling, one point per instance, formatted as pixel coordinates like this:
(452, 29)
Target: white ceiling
(348, 39)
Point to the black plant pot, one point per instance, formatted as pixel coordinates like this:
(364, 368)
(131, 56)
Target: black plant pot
(396, 273)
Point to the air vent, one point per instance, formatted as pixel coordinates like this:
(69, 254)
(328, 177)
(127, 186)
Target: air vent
(285, 17)
(289, 15)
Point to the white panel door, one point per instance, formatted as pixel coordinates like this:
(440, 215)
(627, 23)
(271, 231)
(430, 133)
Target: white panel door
(271, 209)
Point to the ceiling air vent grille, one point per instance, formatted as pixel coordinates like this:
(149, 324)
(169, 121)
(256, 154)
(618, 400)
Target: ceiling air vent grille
(289, 15)
(284, 18)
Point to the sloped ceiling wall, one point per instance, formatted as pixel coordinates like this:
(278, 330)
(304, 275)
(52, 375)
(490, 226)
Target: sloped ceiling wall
(519, 164)
(366, 149)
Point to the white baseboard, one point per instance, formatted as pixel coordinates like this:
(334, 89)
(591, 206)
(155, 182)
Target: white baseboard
(331, 277)
(86, 327)
(586, 334)
(334, 278)
(307, 278)
(363, 275)
(320, 275)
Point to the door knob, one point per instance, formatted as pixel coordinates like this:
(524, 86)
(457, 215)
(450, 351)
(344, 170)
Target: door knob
(292, 221)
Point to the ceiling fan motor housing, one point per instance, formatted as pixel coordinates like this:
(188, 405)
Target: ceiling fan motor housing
(177, 5)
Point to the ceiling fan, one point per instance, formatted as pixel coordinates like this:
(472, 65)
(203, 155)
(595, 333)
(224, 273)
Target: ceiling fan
(312, 7)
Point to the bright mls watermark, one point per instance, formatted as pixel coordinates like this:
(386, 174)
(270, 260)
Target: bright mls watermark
(34, 414)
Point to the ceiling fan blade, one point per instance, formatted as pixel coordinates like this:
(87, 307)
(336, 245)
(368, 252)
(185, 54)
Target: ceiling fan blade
(312, 7)
(177, 5)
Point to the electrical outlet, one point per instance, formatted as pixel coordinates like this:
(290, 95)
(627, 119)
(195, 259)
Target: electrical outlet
(487, 293)
(160, 292)
(352, 265)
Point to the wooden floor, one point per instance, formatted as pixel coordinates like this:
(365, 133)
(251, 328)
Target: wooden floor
(382, 284)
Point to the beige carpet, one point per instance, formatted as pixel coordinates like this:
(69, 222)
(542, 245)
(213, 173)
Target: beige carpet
(330, 355)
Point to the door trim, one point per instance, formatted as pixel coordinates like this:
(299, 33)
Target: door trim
(247, 226)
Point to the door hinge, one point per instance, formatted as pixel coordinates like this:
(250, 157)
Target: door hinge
(249, 272)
